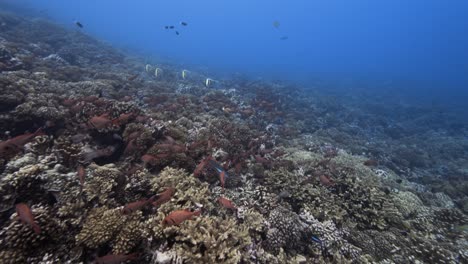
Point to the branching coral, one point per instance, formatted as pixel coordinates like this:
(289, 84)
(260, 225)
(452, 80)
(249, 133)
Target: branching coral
(101, 183)
(19, 243)
(101, 225)
(210, 240)
(190, 192)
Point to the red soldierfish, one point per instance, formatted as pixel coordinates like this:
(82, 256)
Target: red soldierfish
(134, 206)
(177, 217)
(14, 145)
(100, 122)
(130, 148)
(326, 181)
(81, 173)
(149, 159)
(26, 216)
(200, 167)
(164, 196)
(116, 259)
(122, 119)
(226, 203)
(222, 177)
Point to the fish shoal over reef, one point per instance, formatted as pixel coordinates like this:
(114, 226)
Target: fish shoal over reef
(107, 157)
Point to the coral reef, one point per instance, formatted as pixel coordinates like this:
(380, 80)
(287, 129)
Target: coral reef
(312, 178)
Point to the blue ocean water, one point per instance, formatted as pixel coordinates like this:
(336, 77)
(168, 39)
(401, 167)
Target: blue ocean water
(414, 45)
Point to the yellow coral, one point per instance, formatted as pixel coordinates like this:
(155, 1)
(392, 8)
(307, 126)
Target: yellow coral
(100, 227)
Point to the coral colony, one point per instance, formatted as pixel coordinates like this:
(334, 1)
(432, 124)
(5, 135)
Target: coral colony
(107, 159)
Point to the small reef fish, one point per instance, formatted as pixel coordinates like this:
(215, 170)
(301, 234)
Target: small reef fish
(179, 216)
(78, 24)
(26, 216)
(130, 148)
(135, 206)
(222, 178)
(133, 77)
(68, 102)
(149, 159)
(81, 173)
(221, 171)
(13, 146)
(276, 24)
(100, 122)
(226, 203)
(116, 259)
(123, 119)
(88, 154)
(371, 163)
(164, 196)
(316, 240)
(326, 180)
(183, 23)
(201, 166)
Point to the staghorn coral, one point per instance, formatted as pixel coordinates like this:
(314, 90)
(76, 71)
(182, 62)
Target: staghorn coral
(190, 192)
(210, 240)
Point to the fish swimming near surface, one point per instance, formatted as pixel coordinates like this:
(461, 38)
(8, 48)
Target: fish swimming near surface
(135, 206)
(183, 23)
(179, 216)
(171, 27)
(78, 24)
(26, 216)
(177, 32)
(164, 196)
(116, 259)
(284, 38)
(276, 24)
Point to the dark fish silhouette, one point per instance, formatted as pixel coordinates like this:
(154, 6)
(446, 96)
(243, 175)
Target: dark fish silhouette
(133, 77)
(171, 27)
(177, 32)
(166, 27)
(79, 24)
(183, 23)
(276, 24)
